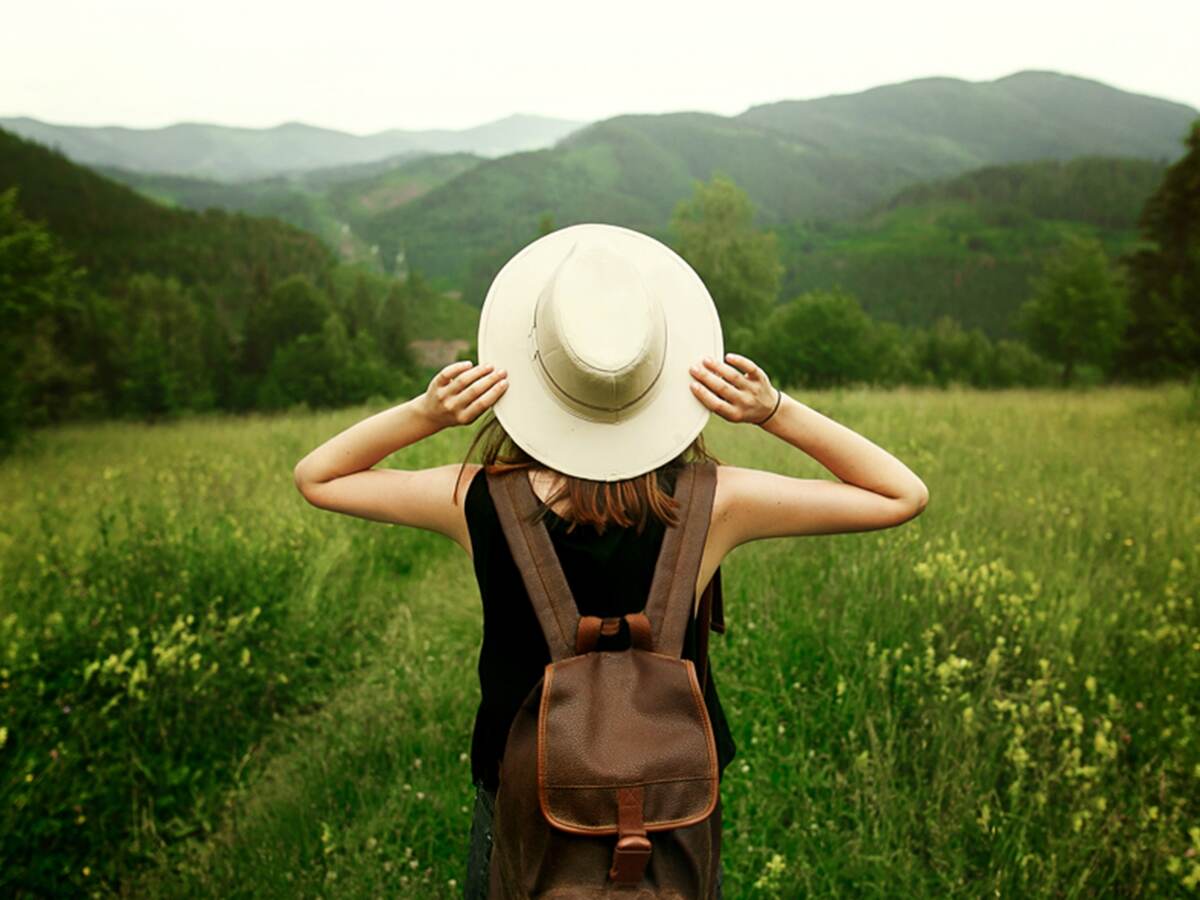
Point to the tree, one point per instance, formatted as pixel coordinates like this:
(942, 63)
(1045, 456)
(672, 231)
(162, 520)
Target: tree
(948, 353)
(328, 368)
(292, 308)
(1078, 310)
(41, 297)
(394, 329)
(166, 368)
(1164, 334)
(819, 339)
(738, 263)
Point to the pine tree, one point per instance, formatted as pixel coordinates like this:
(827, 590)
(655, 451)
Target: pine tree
(1164, 337)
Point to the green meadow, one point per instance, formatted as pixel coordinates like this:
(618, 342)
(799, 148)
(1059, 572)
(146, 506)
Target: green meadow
(209, 688)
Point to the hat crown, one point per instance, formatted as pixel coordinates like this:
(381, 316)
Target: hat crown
(599, 333)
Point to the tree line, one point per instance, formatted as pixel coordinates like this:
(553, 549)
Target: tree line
(152, 346)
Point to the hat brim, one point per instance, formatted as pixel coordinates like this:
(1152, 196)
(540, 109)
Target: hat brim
(556, 436)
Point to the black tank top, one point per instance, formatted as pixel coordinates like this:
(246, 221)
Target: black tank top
(609, 575)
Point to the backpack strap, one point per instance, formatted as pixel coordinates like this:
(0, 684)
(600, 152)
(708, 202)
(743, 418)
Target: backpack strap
(534, 554)
(673, 589)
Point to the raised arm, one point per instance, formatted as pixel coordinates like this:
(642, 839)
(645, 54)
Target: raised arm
(338, 475)
(876, 490)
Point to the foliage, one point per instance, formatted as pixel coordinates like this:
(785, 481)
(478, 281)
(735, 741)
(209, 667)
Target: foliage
(1164, 336)
(294, 307)
(41, 295)
(1102, 191)
(738, 264)
(162, 348)
(825, 339)
(817, 340)
(1078, 311)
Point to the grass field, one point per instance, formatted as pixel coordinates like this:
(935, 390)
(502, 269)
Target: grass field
(211, 689)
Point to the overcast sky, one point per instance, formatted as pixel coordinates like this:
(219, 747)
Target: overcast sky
(368, 65)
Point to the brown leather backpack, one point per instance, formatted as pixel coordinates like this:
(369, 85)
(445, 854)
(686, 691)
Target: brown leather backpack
(609, 780)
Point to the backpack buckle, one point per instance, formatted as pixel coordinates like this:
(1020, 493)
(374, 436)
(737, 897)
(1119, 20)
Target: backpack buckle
(630, 857)
(632, 852)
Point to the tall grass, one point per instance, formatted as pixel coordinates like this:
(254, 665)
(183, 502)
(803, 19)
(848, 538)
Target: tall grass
(212, 689)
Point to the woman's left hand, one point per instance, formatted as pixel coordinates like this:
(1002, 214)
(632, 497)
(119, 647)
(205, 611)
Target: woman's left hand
(460, 393)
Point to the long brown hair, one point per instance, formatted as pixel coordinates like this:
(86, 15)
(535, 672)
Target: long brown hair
(630, 501)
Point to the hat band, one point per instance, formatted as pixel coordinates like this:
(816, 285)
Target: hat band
(595, 411)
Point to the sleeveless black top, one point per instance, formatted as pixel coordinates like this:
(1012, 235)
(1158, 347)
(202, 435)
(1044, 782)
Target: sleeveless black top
(609, 575)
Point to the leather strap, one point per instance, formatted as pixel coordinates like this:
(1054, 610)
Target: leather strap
(641, 634)
(633, 848)
(673, 589)
(588, 635)
(534, 554)
(591, 627)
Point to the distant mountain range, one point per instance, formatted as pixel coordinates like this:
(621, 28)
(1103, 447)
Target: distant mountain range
(831, 158)
(223, 153)
(863, 189)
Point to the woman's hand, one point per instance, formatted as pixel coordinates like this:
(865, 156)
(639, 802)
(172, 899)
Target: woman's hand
(742, 394)
(460, 393)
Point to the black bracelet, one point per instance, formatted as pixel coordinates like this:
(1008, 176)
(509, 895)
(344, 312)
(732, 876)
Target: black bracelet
(778, 400)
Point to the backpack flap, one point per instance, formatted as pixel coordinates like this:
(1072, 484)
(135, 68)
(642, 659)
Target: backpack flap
(624, 725)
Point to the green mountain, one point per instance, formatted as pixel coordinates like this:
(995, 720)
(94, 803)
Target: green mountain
(967, 246)
(332, 203)
(223, 153)
(824, 159)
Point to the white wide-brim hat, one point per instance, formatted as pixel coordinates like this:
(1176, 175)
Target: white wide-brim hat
(597, 326)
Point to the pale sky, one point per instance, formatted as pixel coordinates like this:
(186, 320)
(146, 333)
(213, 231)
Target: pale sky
(367, 65)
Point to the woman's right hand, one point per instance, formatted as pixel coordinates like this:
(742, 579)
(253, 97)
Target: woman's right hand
(741, 394)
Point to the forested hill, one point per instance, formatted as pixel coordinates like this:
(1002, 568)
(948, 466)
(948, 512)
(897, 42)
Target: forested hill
(968, 246)
(180, 310)
(115, 232)
(1103, 191)
(804, 160)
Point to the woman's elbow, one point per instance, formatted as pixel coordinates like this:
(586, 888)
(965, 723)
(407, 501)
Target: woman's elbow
(303, 482)
(915, 503)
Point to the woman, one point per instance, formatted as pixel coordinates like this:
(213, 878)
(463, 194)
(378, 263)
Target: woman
(604, 364)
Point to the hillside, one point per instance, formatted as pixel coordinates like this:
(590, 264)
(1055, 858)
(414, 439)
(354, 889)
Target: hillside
(224, 153)
(115, 232)
(631, 170)
(967, 246)
(802, 160)
(331, 203)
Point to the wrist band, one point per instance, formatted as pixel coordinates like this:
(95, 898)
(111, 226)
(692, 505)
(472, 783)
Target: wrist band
(778, 400)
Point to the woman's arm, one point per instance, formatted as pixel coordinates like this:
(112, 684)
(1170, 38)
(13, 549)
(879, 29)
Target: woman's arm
(338, 475)
(876, 489)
